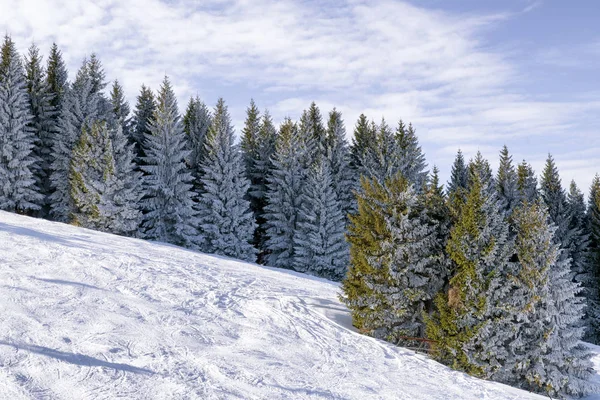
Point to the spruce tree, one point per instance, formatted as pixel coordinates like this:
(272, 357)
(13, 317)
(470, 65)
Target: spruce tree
(396, 261)
(196, 123)
(364, 137)
(459, 175)
(382, 160)
(313, 133)
(80, 108)
(338, 158)
(320, 247)
(42, 123)
(18, 189)
(56, 78)
(284, 196)
(120, 108)
(142, 119)
(507, 182)
(249, 147)
(480, 168)
(527, 189)
(412, 159)
(480, 249)
(226, 220)
(593, 219)
(169, 213)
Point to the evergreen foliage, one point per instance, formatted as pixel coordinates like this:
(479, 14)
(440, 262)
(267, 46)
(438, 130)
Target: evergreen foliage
(459, 175)
(196, 123)
(412, 159)
(56, 78)
(18, 162)
(120, 108)
(142, 119)
(338, 158)
(226, 221)
(526, 183)
(168, 204)
(362, 142)
(507, 185)
(593, 228)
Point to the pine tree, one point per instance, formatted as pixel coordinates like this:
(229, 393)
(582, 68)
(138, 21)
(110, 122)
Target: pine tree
(314, 135)
(593, 218)
(362, 142)
(396, 261)
(320, 247)
(196, 123)
(338, 158)
(142, 119)
(412, 159)
(481, 168)
(249, 147)
(479, 249)
(120, 108)
(382, 160)
(80, 108)
(226, 220)
(42, 123)
(507, 182)
(284, 196)
(18, 189)
(527, 190)
(168, 204)
(459, 175)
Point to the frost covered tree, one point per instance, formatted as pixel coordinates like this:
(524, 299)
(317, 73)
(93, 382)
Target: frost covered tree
(527, 189)
(479, 249)
(56, 78)
(260, 166)
(120, 108)
(593, 220)
(42, 123)
(79, 109)
(381, 160)
(196, 123)
(459, 175)
(18, 189)
(319, 246)
(397, 263)
(226, 221)
(168, 204)
(364, 137)
(313, 133)
(142, 118)
(507, 182)
(338, 158)
(480, 167)
(412, 160)
(284, 196)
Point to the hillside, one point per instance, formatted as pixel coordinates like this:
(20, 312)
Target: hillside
(91, 315)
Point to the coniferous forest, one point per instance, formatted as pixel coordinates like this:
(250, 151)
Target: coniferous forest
(493, 273)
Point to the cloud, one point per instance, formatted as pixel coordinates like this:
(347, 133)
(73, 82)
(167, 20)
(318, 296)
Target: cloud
(381, 57)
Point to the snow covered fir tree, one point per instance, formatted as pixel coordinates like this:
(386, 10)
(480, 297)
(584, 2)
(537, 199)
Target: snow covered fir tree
(496, 273)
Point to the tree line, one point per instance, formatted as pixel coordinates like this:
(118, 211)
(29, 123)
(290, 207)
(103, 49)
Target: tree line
(498, 272)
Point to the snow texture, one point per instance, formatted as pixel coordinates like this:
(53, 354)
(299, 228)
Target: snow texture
(90, 315)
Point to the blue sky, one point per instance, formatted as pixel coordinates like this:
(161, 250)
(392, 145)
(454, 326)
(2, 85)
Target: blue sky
(473, 74)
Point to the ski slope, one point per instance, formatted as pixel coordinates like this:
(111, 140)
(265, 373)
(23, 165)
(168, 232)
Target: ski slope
(87, 315)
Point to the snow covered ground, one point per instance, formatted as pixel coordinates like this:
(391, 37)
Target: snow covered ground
(86, 315)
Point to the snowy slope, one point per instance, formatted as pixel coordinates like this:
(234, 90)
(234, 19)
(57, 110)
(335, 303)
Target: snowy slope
(90, 315)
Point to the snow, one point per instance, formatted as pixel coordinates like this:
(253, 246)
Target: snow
(85, 314)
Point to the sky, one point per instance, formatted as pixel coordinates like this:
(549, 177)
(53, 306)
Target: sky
(468, 74)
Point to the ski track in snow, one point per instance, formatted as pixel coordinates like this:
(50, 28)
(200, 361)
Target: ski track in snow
(87, 315)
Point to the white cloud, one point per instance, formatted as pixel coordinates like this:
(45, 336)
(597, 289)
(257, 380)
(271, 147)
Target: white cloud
(382, 57)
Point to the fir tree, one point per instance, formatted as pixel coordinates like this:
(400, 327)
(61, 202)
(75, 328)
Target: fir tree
(56, 78)
(120, 108)
(196, 123)
(142, 119)
(79, 109)
(526, 183)
(362, 142)
(593, 220)
(320, 247)
(42, 123)
(480, 167)
(382, 161)
(479, 249)
(412, 159)
(226, 220)
(507, 182)
(459, 175)
(168, 204)
(18, 189)
(313, 133)
(396, 261)
(338, 158)
(284, 196)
